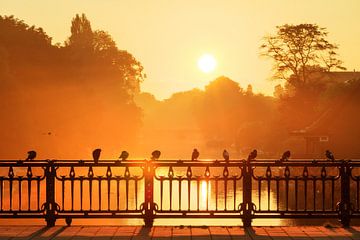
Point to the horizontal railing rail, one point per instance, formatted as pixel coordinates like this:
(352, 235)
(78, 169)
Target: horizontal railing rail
(148, 190)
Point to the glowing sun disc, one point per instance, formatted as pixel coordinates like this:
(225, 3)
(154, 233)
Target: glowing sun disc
(207, 63)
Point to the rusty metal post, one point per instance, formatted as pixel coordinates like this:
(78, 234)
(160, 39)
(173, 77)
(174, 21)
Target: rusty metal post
(247, 205)
(50, 206)
(149, 206)
(344, 207)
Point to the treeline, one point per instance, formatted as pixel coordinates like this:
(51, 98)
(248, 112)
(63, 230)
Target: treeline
(65, 99)
(227, 116)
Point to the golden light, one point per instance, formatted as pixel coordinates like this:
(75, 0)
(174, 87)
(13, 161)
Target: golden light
(207, 63)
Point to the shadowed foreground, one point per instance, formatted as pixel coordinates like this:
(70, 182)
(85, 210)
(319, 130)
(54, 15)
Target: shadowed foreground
(158, 232)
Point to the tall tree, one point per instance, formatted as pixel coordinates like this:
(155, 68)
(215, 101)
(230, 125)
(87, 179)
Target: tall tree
(297, 49)
(81, 33)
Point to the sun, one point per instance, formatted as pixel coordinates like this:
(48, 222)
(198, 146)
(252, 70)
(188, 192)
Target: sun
(207, 63)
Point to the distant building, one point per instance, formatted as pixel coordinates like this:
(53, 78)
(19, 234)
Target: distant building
(334, 129)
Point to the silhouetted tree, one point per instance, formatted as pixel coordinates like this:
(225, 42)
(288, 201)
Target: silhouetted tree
(81, 33)
(295, 48)
(81, 92)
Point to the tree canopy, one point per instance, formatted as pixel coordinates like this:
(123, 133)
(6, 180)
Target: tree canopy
(80, 92)
(298, 51)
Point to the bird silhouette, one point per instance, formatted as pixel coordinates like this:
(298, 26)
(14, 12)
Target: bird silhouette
(155, 155)
(124, 155)
(195, 155)
(226, 155)
(252, 155)
(31, 155)
(96, 155)
(285, 157)
(329, 155)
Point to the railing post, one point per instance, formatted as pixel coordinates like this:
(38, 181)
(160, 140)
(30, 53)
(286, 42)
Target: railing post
(149, 206)
(50, 206)
(344, 207)
(247, 205)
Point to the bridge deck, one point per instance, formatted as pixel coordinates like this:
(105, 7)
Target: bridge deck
(159, 232)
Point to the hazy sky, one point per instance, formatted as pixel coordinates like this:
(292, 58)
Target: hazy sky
(168, 36)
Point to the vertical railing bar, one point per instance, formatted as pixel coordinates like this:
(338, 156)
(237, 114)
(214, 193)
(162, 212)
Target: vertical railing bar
(11, 191)
(161, 191)
(277, 194)
(296, 193)
(180, 193)
(118, 193)
(99, 188)
(357, 193)
(189, 193)
(38, 192)
(234, 193)
(20, 181)
(198, 192)
(170, 191)
(29, 192)
(108, 192)
(287, 194)
(207, 194)
(268, 193)
(136, 193)
(216, 193)
(259, 193)
(314, 193)
(1, 193)
(225, 192)
(63, 192)
(305, 194)
(332, 193)
(127, 192)
(72, 193)
(81, 192)
(323, 194)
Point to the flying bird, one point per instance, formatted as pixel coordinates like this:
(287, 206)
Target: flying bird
(285, 157)
(31, 155)
(252, 155)
(124, 155)
(96, 155)
(226, 155)
(329, 155)
(155, 155)
(195, 155)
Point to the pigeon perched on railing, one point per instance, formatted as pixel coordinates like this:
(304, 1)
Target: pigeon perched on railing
(124, 155)
(226, 155)
(329, 155)
(31, 155)
(285, 157)
(252, 155)
(195, 155)
(155, 155)
(96, 155)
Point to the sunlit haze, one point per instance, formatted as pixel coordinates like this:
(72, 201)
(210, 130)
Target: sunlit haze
(168, 37)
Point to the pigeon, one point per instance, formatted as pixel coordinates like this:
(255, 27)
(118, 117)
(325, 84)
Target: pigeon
(96, 155)
(31, 155)
(285, 157)
(252, 155)
(329, 155)
(124, 155)
(195, 155)
(226, 155)
(155, 155)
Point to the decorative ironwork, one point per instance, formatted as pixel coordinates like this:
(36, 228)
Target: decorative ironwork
(238, 189)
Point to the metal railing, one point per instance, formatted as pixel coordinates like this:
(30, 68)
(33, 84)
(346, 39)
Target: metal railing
(149, 190)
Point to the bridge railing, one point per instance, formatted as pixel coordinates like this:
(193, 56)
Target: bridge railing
(149, 190)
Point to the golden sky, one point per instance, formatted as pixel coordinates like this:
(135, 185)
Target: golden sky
(168, 36)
